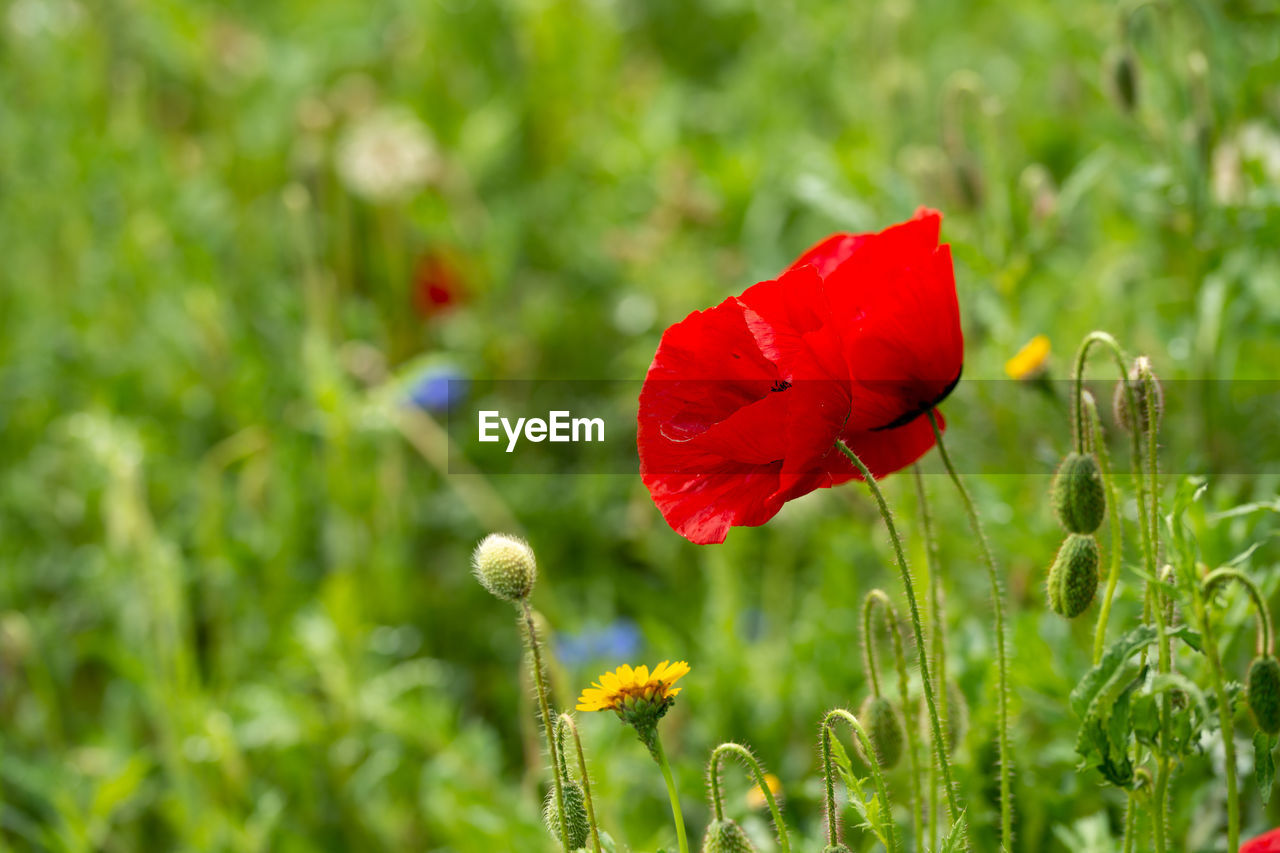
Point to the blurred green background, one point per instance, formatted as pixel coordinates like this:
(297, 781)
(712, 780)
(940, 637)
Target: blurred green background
(241, 239)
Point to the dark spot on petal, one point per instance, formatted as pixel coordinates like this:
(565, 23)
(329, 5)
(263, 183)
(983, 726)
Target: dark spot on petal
(780, 385)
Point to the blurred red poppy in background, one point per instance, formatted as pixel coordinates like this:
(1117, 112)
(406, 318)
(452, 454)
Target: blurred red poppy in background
(1268, 842)
(437, 286)
(744, 402)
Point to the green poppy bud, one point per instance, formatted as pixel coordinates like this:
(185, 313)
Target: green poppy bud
(505, 566)
(884, 730)
(1120, 398)
(1073, 578)
(1264, 693)
(725, 836)
(1079, 499)
(836, 848)
(575, 813)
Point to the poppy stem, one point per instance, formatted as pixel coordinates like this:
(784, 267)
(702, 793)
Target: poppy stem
(540, 678)
(833, 815)
(566, 722)
(937, 633)
(1113, 520)
(878, 596)
(747, 757)
(1002, 657)
(676, 812)
(939, 742)
(1200, 595)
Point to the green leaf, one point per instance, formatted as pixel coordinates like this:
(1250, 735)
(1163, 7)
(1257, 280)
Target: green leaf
(1103, 738)
(1112, 659)
(953, 843)
(1264, 764)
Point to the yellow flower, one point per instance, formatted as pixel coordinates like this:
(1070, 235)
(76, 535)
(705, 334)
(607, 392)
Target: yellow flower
(1030, 360)
(626, 687)
(756, 798)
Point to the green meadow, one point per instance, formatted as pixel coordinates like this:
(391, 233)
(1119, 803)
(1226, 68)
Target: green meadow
(248, 247)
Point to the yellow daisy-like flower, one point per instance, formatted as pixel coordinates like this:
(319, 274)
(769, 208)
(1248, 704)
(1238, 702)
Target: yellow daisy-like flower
(1030, 360)
(625, 688)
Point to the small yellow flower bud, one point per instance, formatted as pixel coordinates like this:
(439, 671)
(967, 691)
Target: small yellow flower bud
(505, 566)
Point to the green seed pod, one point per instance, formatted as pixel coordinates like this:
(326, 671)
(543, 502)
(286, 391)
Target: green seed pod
(725, 836)
(884, 730)
(1073, 578)
(1079, 499)
(1120, 399)
(505, 566)
(575, 813)
(836, 848)
(1264, 693)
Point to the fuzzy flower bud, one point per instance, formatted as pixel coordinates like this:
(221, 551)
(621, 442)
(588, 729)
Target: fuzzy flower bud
(1264, 693)
(1120, 401)
(505, 566)
(836, 848)
(884, 730)
(1079, 499)
(1073, 578)
(575, 813)
(725, 836)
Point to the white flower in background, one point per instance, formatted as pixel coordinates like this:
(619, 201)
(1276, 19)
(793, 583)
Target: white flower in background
(1247, 162)
(388, 155)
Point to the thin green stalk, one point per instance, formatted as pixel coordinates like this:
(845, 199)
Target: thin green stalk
(676, 813)
(1113, 522)
(939, 743)
(1165, 662)
(540, 678)
(1264, 647)
(749, 759)
(567, 722)
(833, 815)
(1130, 818)
(878, 596)
(1210, 643)
(1002, 657)
(937, 632)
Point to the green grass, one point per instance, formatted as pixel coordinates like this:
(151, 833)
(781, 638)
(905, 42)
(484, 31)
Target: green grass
(235, 606)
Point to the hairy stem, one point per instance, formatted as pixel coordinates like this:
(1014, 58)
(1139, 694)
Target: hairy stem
(1209, 640)
(833, 816)
(937, 633)
(939, 742)
(567, 723)
(1113, 522)
(747, 757)
(540, 678)
(878, 596)
(1002, 656)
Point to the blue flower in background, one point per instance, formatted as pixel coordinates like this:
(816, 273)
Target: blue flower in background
(618, 640)
(438, 387)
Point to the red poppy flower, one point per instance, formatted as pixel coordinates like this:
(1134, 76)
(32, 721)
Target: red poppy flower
(744, 402)
(436, 285)
(1268, 842)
